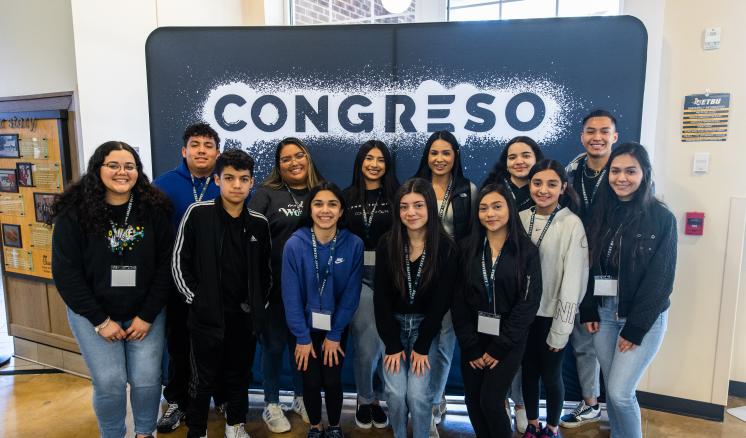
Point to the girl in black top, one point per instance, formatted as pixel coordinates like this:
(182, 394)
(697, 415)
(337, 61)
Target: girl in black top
(280, 200)
(512, 168)
(414, 281)
(494, 307)
(369, 214)
(633, 261)
(111, 252)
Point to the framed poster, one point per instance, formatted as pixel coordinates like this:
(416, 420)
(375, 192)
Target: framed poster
(24, 174)
(12, 236)
(9, 146)
(43, 206)
(8, 182)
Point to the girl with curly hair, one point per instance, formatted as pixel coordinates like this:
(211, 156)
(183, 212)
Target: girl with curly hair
(111, 249)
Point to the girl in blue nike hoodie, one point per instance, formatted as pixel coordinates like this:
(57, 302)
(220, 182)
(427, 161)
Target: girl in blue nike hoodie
(322, 266)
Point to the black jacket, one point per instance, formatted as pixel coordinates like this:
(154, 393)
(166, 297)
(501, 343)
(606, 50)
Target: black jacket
(647, 263)
(461, 203)
(516, 307)
(82, 261)
(195, 266)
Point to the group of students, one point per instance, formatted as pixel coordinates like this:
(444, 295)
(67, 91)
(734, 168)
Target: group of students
(511, 272)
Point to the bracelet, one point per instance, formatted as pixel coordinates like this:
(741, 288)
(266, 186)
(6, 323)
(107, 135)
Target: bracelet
(102, 325)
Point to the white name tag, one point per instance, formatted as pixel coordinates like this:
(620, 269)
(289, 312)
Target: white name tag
(604, 286)
(123, 276)
(369, 258)
(321, 321)
(488, 323)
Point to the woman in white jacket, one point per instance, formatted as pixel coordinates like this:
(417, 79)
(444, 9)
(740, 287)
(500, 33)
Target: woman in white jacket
(563, 251)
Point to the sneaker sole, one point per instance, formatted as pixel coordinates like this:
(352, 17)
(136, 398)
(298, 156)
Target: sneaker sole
(573, 425)
(276, 430)
(362, 425)
(381, 425)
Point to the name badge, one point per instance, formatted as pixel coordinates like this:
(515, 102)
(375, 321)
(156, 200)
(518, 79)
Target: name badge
(369, 258)
(488, 323)
(123, 276)
(604, 286)
(321, 321)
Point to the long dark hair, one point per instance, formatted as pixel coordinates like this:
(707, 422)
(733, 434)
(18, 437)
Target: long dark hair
(87, 196)
(389, 183)
(500, 169)
(606, 199)
(517, 238)
(307, 221)
(398, 236)
(569, 198)
(457, 172)
(274, 179)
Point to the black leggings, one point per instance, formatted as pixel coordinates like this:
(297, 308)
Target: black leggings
(318, 377)
(540, 363)
(485, 392)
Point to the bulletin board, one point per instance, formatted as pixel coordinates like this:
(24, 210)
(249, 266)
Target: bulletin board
(34, 166)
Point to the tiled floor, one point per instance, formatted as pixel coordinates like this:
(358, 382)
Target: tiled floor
(59, 405)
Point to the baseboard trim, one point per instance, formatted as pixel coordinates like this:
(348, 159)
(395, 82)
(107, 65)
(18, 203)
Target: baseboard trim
(737, 388)
(681, 406)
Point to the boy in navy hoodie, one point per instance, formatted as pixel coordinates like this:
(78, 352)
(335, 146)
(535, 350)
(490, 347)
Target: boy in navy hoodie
(221, 267)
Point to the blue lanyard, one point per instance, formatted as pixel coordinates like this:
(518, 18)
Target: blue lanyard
(204, 189)
(368, 221)
(587, 202)
(446, 198)
(490, 286)
(321, 279)
(412, 288)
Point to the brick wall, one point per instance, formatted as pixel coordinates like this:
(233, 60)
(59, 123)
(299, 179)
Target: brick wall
(317, 12)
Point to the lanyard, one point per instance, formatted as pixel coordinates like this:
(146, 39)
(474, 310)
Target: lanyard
(412, 290)
(487, 285)
(611, 247)
(586, 201)
(546, 227)
(444, 205)
(115, 240)
(295, 201)
(204, 189)
(322, 282)
(512, 193)
(368, 221)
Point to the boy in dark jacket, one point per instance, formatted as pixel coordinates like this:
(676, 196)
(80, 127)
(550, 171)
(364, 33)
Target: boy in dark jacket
(221, 266)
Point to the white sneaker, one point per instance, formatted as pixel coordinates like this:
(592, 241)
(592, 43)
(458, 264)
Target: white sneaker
(236, 431)
(299, 408)
(521, 421)
(433, 430)
(275, 418)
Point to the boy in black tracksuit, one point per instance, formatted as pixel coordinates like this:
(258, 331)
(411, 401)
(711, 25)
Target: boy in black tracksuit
(221, 266)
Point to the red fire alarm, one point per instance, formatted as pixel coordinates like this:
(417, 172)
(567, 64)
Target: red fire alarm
(695, 223)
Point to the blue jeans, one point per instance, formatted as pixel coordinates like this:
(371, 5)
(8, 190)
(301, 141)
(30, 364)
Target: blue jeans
(441, 360)
(407, 393)
(275, 337)
(585, 359)
(368, 348)
(623, 371)
(516, 389)
(113, 365)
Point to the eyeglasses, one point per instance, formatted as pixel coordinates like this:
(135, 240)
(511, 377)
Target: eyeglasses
(297, 157)
(116, 167)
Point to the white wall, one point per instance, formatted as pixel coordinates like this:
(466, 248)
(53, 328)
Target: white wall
(36, 47)
(696, 355)
(110, 52)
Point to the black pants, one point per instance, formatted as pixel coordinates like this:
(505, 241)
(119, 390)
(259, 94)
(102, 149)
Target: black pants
(485, 391)
(177, 343)
(320, 377)
(540, 363)
(227, 361)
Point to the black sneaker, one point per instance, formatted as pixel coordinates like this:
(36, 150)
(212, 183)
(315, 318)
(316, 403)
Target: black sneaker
(171, 419)
(582, 414)
(315, 433)
(363, 417)
(333, 432)
(380, 420)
